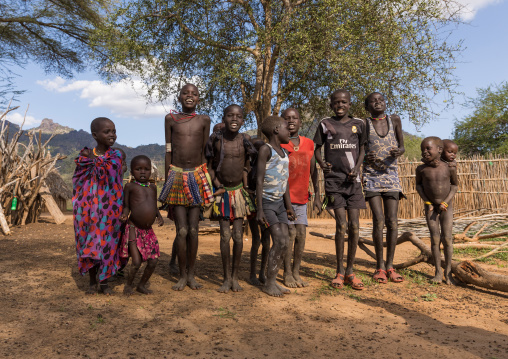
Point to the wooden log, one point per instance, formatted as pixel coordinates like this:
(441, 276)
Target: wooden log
(51, 205)
(3, 223)
(471, 273)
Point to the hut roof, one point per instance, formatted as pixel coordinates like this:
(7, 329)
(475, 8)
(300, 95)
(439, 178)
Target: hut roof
(57, 185)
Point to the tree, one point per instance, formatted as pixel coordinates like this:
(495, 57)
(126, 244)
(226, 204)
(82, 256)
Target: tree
(269, 54)
(486, 129)
(53, 33)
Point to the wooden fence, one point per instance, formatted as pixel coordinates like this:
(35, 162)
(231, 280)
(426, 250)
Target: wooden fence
(483, 186)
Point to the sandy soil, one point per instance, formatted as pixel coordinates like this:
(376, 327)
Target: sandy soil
(45, 313)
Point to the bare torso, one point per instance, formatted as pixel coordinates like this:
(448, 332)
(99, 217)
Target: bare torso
(231, 173)
(142, 204)
(436, 181)
(188, 138)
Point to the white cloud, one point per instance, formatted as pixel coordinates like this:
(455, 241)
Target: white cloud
(471, 7)
(17, 118)
(124, 99)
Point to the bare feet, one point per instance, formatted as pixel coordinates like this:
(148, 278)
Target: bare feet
(106, 290)
(92, 289)
(282, 289)
(191, 282)
(272, 290)
(180, 285)
(450, 280)
(438, 279)
(299, 281)
(254, 281)
(127, 290)
(143, 289)
(226, 286)
(235, 286)
(289, 281)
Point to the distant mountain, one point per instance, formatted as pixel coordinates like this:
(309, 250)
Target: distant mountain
(48, 126)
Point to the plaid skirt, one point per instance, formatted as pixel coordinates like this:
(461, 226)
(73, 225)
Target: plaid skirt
(233, 204)
(187, 187)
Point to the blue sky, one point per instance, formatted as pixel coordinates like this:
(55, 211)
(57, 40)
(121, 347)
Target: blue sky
(75, 102)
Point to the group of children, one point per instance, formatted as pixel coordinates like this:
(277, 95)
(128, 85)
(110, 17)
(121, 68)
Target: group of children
(231, 177)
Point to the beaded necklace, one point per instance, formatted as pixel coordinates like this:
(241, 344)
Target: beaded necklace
(142, 184)
(186, 116)
(295, 147)
(379, 118)
(96, 154)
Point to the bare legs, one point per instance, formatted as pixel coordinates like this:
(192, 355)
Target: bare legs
(389, 217)
(231, 280)
(280, 236)
(135, 264)
(353, 227)
(173, 266)
(435, 220)
(264, 240)
(92, 289)
(297, 234)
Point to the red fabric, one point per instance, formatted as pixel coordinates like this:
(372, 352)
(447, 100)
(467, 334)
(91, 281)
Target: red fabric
(299, 169)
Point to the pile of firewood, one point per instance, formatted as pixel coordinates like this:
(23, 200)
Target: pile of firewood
(23, 170)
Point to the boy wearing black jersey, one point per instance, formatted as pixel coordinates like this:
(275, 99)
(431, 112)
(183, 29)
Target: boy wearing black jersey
(343, 138)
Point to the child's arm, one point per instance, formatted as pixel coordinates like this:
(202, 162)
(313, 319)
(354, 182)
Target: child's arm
(126, 209)
(315, 183)
(246, 170)
(160, 220)
(263, 157)
(397, 126)
(419, 189)
(167, 157)
(206, 134)
(453, 189)
(356, 169)
(289, 207)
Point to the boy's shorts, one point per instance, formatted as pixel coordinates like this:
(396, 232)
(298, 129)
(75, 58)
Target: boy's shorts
(348, 195)
(301, 214)
(391, 194)
(275, 212)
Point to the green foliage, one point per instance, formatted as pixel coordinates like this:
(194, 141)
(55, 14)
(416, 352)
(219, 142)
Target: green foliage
(485, 131)
(272, 54)
(412, 145)
(53, 33)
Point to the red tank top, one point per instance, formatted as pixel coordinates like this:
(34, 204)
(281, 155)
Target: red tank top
(299, 169)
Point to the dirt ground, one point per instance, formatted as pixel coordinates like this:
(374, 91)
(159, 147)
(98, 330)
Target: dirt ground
(45, 312)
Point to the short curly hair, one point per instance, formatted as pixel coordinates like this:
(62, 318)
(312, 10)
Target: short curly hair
(435, 139)
(270, 124)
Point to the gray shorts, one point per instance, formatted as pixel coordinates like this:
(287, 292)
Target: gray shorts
(301, 214)
(275, 212)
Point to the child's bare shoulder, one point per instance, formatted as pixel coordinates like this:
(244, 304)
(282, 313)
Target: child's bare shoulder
(421, 167)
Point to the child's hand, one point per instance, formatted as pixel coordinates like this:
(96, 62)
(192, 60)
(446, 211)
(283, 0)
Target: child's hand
(160, 221)
(291, 214)
(395, 152)
(219, 192)
(123, 217)
(260, 217)
(442, 207)
(352, 175)
(429, 206)
(452, 164)
(318, 205)
(327, 168)
(371, 156)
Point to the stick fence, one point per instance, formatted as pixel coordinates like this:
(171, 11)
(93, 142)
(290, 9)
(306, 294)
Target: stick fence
(483, 185)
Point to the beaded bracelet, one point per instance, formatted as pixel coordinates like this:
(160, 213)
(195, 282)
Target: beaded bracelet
(429, 203)
(445, 204)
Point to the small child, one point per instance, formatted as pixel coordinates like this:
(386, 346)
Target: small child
(302, 166)
(139, 241)
(449, 154)
(228, 152)
(343, 138)
(187, 188)
(97, 206)
(272, 193)
(436, 183)
(381, 183)
(258, 239)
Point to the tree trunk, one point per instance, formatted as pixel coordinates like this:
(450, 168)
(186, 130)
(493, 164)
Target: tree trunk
(470, 273)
